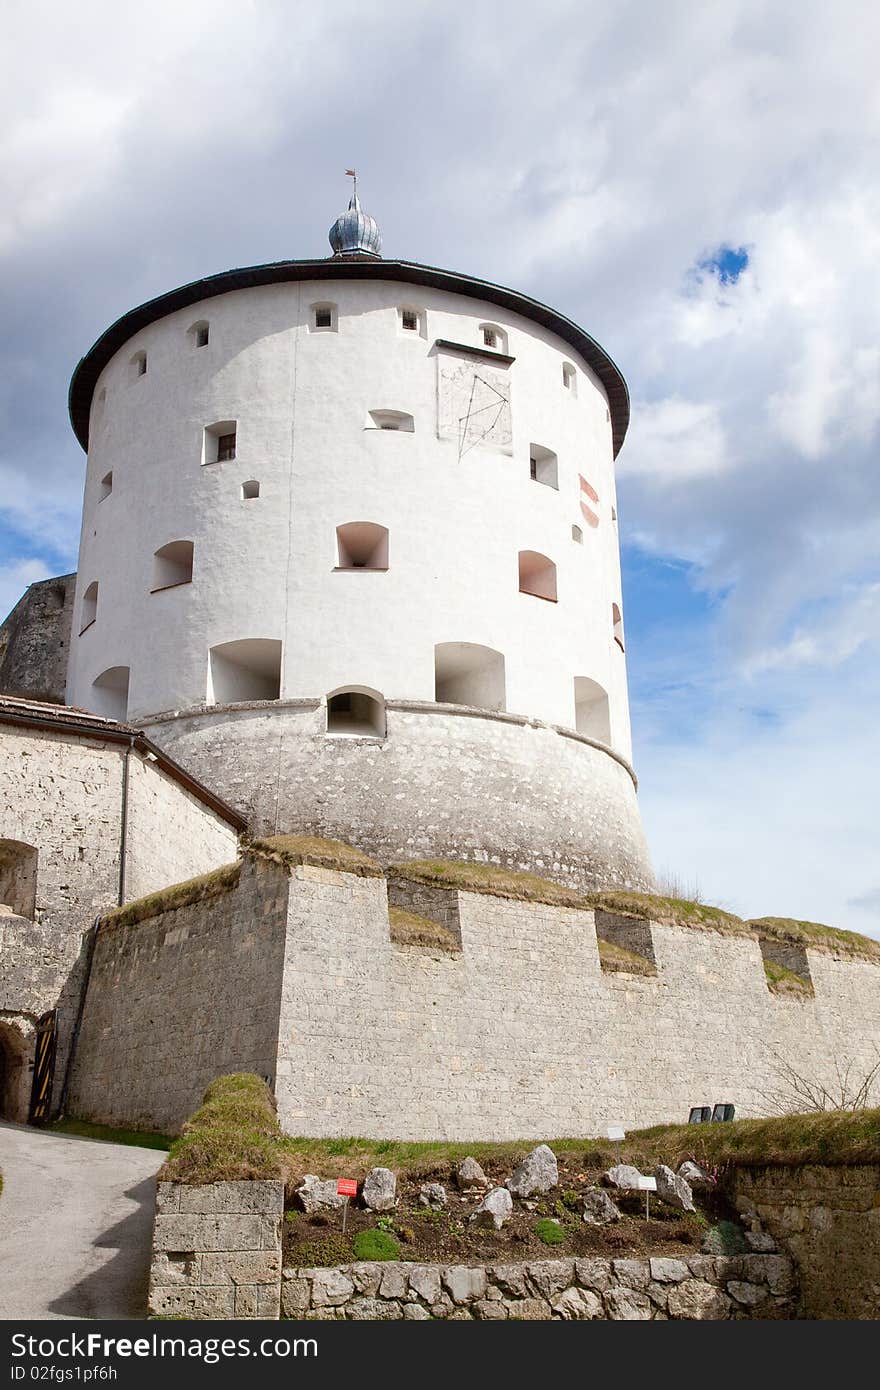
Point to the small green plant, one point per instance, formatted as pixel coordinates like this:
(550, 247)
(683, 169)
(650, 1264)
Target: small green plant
(549, 1231)
(571, 1199)
(291, 1215)
(385, 1223)
(376, 1245)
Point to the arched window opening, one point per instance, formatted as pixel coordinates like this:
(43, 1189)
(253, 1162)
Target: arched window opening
(356, 712)
(591, 712)
(172, 565)
(543, 466)
(89, 610)
(468, 674)
(106, 486)
(200, 333)
(18, 877)
(220, 442)
(617, 623)
(577, 535)
(324, 318)
(537, 575)
(16, 1052)
(493, 337)
(362, 545)
(138, 365)
(110, 693)
(569, 378)
(249, 669)
(391, 420)
(250, 490)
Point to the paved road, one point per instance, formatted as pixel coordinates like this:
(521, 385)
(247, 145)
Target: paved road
(75, 1224)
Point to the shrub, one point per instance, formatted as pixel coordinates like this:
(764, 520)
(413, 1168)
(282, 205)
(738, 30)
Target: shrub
(376, 1245)
(549, 1231)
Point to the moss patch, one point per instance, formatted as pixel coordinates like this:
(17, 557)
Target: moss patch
(833, 940)
(408, 929)
(234, 1135)
(193, 890)
(614, 959)
(137, 1138)
(488, 878)
(549, 1232)
(376, 1245)
(672, 912)
(293, 850)
(783, 981)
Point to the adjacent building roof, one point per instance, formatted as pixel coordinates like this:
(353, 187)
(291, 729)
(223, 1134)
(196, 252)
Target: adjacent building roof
(65, 719)
(342, 267)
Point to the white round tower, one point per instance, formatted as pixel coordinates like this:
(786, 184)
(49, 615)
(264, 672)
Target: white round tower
(413, 643)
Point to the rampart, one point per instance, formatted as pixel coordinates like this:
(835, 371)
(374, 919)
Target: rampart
(504, 1024)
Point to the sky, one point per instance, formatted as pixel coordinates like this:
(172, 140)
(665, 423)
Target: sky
(695, 184)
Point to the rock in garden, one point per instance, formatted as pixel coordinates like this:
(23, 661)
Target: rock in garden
(433, 1195)
(599, 1208)
(380, 1189)
(314, 1195)
(538, 1172)
(673, 1190)
(623, 1176)
(494, 1209)
(694, 1174)
(470, 1176)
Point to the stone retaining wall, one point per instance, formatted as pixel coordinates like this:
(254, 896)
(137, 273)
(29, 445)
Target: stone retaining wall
(703, 1287)
(217, 1250)
(829, 1218)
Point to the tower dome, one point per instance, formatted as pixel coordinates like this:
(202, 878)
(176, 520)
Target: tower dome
(355, 232)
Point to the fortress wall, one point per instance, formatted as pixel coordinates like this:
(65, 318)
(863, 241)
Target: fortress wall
(35, 640)
(442, 784)
(520, 1035)
(178, 999)
(171, 835)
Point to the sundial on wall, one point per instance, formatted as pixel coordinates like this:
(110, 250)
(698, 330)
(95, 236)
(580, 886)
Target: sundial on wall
(473, 402)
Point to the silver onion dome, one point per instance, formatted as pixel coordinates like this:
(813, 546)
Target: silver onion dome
(355, 233)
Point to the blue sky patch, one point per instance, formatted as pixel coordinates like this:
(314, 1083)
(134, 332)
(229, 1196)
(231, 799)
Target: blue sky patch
(727, 263)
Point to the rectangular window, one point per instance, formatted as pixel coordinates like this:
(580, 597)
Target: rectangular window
(490, 337)
(202, 336)
(323, 318)
(533, 468)
(225, 447)
(410, 321)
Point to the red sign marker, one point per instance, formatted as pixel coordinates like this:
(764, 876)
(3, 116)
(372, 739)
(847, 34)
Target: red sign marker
(346, 1187)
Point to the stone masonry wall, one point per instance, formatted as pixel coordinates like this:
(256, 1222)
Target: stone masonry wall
(217, 1250)
(179, 999)
(35, 641)
(829, 1218)
(519, 1035)
(447, 785)
(705, 1288)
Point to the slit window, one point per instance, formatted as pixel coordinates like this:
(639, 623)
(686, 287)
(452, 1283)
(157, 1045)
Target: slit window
(89, 610)
(468, 674)
(569, 378)
(324, 319)
(172, 565)
(617, 624)
(591, 710)
(391, 420)
(537, 575)
(220, 442)
(577, 535)
(357, 712)
(110, 693)
(138, 365)
(106, 486)
(249, 669)
(361, 545)
(543, 466)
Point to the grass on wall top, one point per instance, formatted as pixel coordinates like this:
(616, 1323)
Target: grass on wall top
(293, 850)
(783, 981)
(817, 937)
(409, 929)
(193, 890)
(235, 1135)
(619, 959)
(490, 879)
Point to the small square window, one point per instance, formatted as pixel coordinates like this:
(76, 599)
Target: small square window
(323, 318)
(410, 320)
(225, 447)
